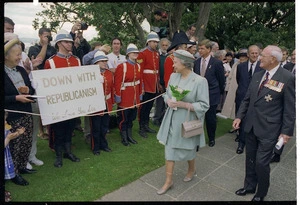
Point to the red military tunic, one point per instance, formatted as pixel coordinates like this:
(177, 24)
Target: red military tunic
(149, 61)
(131, 90)
(60, 61)
(169, 69)
(108, 87)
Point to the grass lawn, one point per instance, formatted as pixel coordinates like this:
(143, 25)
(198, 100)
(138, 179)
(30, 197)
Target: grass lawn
(94, 176)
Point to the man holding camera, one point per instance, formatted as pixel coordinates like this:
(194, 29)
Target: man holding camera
(43, 48)
(81, 46)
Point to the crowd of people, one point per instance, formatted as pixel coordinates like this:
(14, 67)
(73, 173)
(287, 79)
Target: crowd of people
(249, 86)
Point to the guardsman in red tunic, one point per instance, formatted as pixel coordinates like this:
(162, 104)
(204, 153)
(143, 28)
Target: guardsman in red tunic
(149, 60)
(61, 132)
(179, 41)
(100, 122)
(128, 92)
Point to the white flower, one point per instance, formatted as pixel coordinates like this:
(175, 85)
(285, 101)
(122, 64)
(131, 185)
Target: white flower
(179, 90)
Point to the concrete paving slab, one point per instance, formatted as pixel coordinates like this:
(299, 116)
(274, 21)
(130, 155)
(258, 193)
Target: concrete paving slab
(226, 178)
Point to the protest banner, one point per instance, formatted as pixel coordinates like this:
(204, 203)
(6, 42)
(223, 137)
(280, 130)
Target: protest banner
(67, 93)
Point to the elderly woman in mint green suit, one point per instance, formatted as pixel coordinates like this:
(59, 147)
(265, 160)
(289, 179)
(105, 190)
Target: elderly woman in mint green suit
(178, 148)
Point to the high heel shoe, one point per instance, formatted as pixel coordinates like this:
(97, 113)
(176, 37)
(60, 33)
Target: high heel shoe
(187, 179)
(163, 191)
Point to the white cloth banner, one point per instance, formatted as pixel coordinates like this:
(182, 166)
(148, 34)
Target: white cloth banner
(67, 93)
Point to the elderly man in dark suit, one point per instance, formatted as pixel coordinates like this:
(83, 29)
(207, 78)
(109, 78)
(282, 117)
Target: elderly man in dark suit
(212, 69)
(244, 75)
(269, 112)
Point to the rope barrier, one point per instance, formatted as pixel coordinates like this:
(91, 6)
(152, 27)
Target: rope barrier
(113, 111)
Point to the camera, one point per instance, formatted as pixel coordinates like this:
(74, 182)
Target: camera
(49, 38)
(84, 26)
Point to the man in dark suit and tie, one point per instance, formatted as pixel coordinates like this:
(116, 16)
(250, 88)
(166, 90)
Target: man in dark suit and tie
(269, 112)
(244, 75)
(290, 66)
(212, 69)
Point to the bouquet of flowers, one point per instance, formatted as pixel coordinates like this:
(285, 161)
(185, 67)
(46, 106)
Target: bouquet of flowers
(178, 93)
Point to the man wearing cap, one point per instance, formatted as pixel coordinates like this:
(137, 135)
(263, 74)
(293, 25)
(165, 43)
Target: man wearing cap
(179, 41)
(212, 69)
(61, 132)
(128, 93)
(244, 75)
(149, 61)
(99, 121)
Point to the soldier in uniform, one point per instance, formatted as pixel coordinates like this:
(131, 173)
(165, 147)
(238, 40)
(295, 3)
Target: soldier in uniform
(149, 60)
(128, 92)
(61, 132)
(100, 122)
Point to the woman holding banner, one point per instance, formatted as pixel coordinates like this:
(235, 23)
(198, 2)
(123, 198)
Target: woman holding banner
(17, 89)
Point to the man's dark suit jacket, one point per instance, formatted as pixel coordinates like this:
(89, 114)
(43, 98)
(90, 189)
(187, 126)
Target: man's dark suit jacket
(289, 66)
(215, 77)
(271, 112)
(11, 91)
(243, 81)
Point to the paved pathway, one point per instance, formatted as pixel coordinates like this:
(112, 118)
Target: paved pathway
(220, 173)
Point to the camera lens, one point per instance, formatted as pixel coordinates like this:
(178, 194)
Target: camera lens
(49, 38)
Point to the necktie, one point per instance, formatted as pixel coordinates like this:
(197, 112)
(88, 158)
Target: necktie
(263, 82)
(203, 68)
(250, 71)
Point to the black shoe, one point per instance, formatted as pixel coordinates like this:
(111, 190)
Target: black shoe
(143, 133)
(71, 157)
(275, 158)
(131, 140)
(239, 150)
(97, 153)
(257, 198)
(27, 171)
(243, 192)
(58, 162)
(211, 143)
(106, 149)
(19, 180)
(148, 129)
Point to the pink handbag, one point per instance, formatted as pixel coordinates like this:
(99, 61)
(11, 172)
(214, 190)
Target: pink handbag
(191, 128)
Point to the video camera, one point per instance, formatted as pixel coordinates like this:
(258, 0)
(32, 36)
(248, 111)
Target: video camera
(84, 26)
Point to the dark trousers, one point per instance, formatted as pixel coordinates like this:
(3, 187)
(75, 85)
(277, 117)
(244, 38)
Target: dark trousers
(241, 135)
(99, 127)
(145, 109)
(62, 132)
(258, 156)
(160, 108)
(20, 147)
(125, 118)
(211, 122)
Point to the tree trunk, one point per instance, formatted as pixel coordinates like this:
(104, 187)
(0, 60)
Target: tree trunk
(175, 17)
(138, 26)
(203, 16)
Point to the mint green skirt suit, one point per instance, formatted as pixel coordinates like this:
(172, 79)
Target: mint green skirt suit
(178, 148)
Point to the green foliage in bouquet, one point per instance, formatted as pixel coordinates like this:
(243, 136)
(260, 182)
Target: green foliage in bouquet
(178, 93)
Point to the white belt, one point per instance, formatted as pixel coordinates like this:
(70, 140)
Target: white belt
(150, 71)
(107, 96)
(131, 83)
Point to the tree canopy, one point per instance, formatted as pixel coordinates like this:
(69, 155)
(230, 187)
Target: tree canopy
(232, 24)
